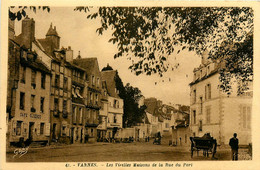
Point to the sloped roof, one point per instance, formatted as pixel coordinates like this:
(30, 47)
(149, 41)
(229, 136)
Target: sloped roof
(87, 64)
(109, 77)
(18, 39)
(35, 64)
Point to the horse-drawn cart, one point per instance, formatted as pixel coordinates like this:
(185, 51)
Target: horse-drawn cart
(206, 143)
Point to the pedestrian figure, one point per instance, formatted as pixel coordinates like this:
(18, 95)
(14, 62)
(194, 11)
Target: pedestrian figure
(233, 142)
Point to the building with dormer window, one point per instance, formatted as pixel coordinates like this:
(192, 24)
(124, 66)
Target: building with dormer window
(212, 110)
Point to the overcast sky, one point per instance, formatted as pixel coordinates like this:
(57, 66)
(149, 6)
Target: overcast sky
(80, 33)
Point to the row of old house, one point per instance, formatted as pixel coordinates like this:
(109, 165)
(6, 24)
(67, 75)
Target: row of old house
(54, 96)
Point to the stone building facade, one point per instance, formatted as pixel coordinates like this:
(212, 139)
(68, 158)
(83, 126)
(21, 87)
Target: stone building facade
(28, 90)
(212, 110)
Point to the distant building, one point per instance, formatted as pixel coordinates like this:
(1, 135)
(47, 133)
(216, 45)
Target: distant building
(212, 110)
(115, 105)
(180, 128)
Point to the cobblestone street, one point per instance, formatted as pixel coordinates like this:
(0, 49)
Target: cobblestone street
(136, 151)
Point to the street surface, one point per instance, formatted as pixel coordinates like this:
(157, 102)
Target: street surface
(136, 151)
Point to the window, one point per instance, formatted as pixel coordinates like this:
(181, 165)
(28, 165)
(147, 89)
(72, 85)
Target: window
(74, 114)
(98, 81)
(23, 71)
(64, 106)
(22, 100)
(65, 83)
(56, 104)
(246, 117)
(32, 103)
(115, 120)
(42, 104)
(33, 79)
(194, 96)
(43, 77)
(42, 128)
(115, 104)
(80, 115)
(93, 80)
(208, 114)
(57, 80)
(200, 125)
(166, 125)
(201, 106)
(96, 99)
(194, 116)
(18, 128)
(209, 91)
(91, 97)
(63, 130)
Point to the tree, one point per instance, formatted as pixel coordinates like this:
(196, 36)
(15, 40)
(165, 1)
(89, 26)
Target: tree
(21, 12)
(148, 36)
(133, 114)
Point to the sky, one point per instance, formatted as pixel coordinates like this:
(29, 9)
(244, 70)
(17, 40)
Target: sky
(79, 32)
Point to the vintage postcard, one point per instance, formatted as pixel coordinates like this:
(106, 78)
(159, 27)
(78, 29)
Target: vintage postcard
(123, 85)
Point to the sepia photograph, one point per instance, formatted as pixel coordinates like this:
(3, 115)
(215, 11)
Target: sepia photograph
(126, 86)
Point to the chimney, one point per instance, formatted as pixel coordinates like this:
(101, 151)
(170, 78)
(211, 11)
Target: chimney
(28, 32)
(69, 54)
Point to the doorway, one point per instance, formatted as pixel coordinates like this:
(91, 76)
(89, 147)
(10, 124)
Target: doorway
(72, 135)
(54, 131)
(31, 127)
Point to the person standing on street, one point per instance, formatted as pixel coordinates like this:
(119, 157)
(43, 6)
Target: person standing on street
(233, 143)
